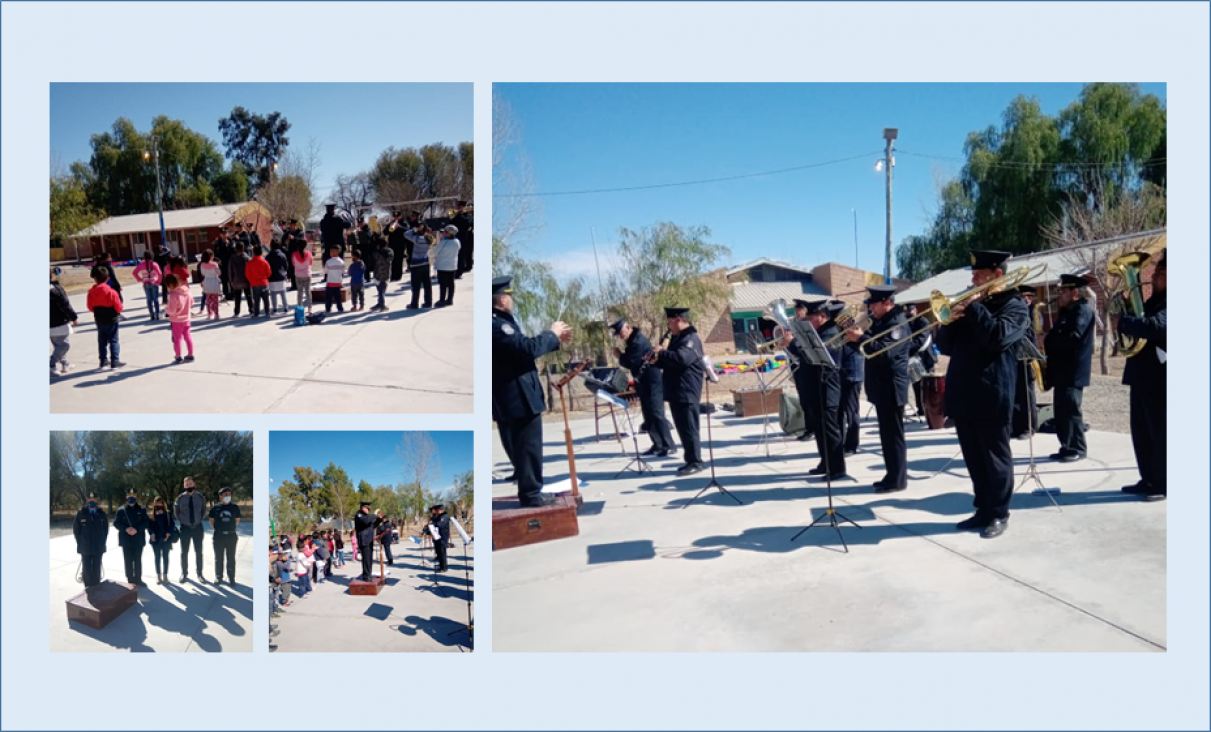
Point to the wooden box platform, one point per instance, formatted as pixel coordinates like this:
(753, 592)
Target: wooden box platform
(318, 295)
(748, 401)
(97, 606)
(358, 587)
(514, 526)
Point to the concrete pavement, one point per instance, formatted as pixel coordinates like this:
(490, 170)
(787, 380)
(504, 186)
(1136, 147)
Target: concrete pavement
(401, 361)
(646, 575)
(173, 617)
(410, 614)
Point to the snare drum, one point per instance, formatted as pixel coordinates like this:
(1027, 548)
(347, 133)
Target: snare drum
(916, 369)
(933, 394)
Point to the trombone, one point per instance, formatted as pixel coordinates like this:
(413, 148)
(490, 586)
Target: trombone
(854, 316)
(941, 307)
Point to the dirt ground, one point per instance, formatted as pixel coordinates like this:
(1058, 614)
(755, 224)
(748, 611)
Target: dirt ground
(1105, 403)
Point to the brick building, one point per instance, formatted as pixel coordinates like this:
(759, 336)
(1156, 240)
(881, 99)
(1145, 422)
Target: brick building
(189, 231)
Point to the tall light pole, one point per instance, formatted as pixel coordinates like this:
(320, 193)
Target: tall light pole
(889, 134)
(855, 212)
(155, 154)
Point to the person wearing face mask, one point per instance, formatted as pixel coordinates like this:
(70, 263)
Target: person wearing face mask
(91, 529)
(190, 510)
(131, 522)
(161, 533)
(224, 518)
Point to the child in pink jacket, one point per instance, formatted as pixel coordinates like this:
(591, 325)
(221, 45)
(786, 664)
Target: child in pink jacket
(179, 305)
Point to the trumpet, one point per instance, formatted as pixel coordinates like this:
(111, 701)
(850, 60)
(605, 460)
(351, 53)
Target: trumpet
(854, 316)
(941, 307)
(650, 358)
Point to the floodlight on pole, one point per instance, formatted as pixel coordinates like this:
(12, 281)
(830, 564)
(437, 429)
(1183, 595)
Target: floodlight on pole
(889, 134)
(155, 154)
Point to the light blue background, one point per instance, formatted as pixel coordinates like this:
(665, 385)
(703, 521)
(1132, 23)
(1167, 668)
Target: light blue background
(589, 42)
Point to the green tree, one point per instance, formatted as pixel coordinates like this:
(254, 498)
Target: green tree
(365, 491)
(256, 141)
(339, 491)
(231, 186)
(70, 212)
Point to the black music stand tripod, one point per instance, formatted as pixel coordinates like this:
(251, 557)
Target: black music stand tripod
(714, 483)
(469, 628)
(815, 354)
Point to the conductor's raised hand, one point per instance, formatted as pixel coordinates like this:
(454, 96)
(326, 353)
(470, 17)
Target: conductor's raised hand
(562, 331)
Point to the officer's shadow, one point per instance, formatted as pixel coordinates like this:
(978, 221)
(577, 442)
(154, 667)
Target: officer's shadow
(202, 607)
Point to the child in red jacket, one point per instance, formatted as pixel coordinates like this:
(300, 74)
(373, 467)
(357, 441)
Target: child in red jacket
(106, 306)
(258, 271)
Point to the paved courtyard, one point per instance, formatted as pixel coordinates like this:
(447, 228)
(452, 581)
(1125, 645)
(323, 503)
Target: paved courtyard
(401, 361)
(173, 617)
(650, 573)
(412, 613)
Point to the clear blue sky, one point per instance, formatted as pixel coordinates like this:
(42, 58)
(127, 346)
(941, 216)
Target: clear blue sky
(352, 122)
(372, 456)
(590, 136)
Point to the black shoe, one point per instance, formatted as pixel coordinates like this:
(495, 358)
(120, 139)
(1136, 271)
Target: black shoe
(847, 453)
(413, 306)
(805, 437)
(831, 477)
(184, 577)
(884, 488)
(538, 500)
(1072, 457)
(818, 470)
(274, 633)
(691, 469)
(976, 522)
(653, 450)
(995, 528)
(1138, 489)
(664, 453)
(1155, 496)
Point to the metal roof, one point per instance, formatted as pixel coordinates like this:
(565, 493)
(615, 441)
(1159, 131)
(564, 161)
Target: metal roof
(1054, 262)
(189, 218)
(765, 260)
(758, 295)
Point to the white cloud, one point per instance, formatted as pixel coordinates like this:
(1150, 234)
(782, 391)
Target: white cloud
(581, 263)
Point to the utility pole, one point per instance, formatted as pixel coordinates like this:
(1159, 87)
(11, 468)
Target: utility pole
(889, 134)
(155, 154)
(855, 212)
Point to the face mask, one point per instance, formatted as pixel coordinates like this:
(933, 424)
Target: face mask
(159, 509)
(92, 505)
(226, 499)
(189, 489)
(131, 501)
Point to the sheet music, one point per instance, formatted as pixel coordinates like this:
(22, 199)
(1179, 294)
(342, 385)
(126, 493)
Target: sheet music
(1161, 355)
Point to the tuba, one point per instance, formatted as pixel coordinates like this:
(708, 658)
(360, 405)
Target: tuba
(777, 312)
(1128, 267)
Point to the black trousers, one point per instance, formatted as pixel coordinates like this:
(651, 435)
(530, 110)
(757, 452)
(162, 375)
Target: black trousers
(386, 548)
(367, 551)
(658, 424)
(1069, 422)
(891, 438)
(851, 397)
(445, 287)
(1149, 438)
(191, 533)
(241, 293)
(989, 460)
(133, 558)
(90, 567)
(224, 549)
(828, 438)
(685, 418)
(522, 440)
(420, 281)
(1025, 404)
(224, 279)
(466, 256)
(440, 548)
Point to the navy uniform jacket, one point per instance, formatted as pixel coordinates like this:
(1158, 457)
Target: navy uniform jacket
(332, 233)
(982, 346)
(443, 528)
(132, 517)
(91, 530)
(365, 524)
(649, 381)
(853, 366)
(1145, 369)
(815, 377)
(683, 368)
(887, 374)
(516, 390)
(1069, 346)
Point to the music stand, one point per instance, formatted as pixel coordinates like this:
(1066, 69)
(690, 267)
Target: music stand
(1029, 352)
(815, 354)
(710, 446)
(469, 628)
(764, 389)
(604, 395)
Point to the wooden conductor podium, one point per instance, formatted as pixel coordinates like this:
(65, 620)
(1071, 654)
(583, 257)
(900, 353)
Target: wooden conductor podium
(97, 606)
(514, 526)
(373, 587)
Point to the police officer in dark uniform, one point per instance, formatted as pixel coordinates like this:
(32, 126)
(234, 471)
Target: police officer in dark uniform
(91, 529)
(224, 518)
(222, 252)
(332, 231)
(293, 241)
(464, 219)
(517, 398)
(1025, 402)
(385, 538)
(131, 522)
(853, 370)
(683, 375)
(821, 390)
(1145, 374)
(649, 383)
(439, 519)
(887, 381)
(251, 235)
(399, 245)
(799, 373)
(364, 524)
(982, 344)
(1069, 346)
(366, 247)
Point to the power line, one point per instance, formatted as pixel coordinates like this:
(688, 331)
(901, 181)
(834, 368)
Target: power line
(1024, 164)
(688, 182)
